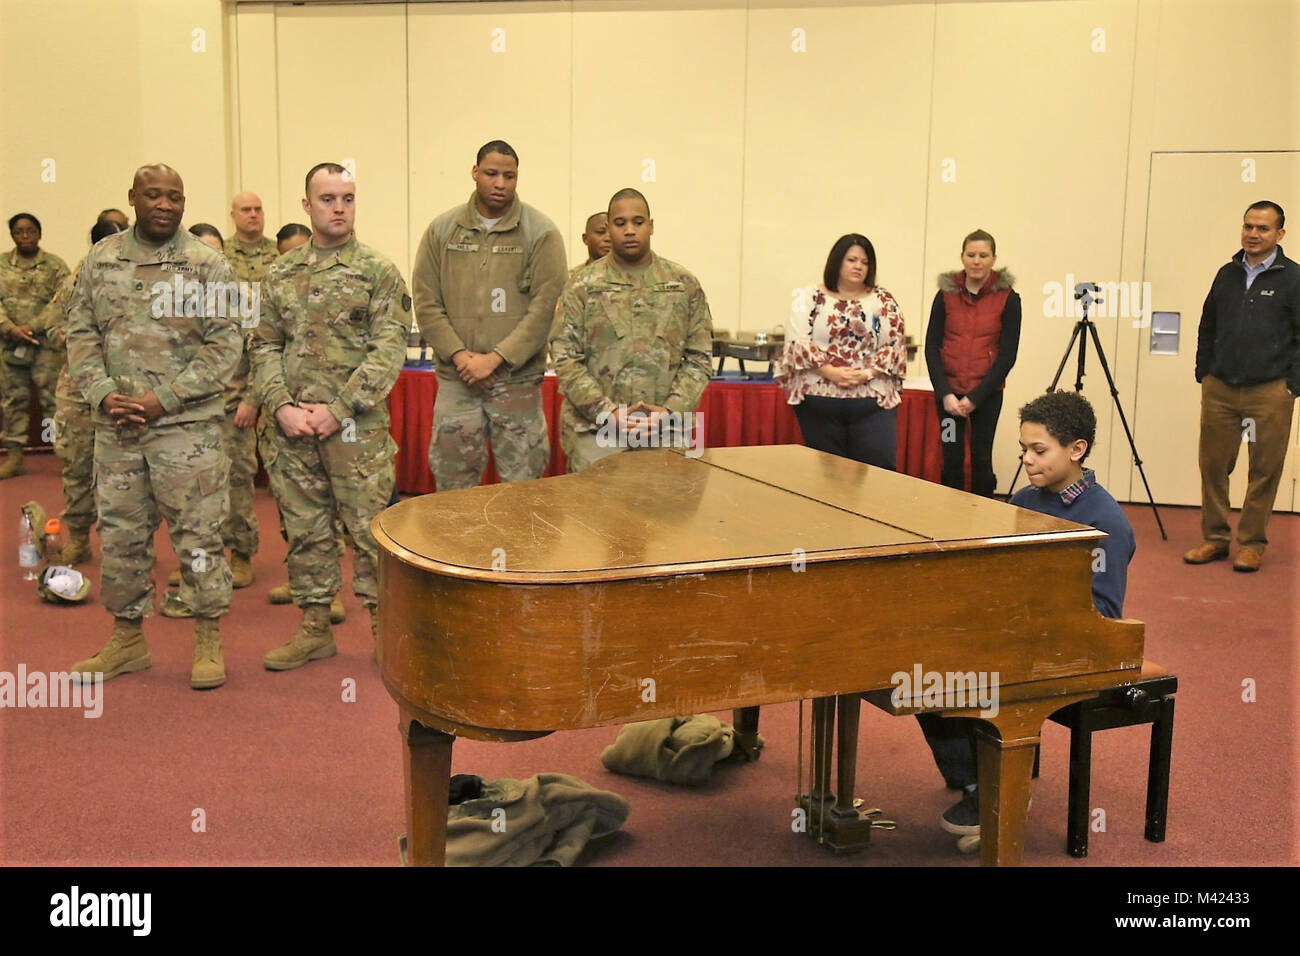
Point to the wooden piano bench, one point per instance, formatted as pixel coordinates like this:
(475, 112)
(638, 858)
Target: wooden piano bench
(1149, 700)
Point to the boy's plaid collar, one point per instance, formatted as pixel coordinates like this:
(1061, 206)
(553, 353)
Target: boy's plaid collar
(1073, 491)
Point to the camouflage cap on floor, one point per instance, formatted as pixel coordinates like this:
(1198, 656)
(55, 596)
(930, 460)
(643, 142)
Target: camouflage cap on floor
(60, 584)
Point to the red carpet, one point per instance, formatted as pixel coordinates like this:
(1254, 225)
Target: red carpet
(284, 770)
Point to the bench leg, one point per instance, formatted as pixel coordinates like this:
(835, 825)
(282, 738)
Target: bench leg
(1076, 838)
(1162, 744)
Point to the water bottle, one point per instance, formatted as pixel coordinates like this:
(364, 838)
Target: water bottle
(53, 540)
(29, 559)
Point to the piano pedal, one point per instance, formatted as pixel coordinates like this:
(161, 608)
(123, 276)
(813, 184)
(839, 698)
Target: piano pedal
(843, 832)
(873, 814)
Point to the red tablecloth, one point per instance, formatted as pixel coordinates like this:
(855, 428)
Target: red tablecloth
(735, 413)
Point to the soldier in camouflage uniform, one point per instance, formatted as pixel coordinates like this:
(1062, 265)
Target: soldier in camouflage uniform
(74, 429)
(634, 338)
(595, 236)
(290, 237)
(250, 253)
(151, 348)
(325, 355)
(486, 279)
(29, 278)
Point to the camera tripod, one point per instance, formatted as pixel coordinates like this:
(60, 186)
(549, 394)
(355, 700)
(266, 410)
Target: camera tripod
(1086, 293)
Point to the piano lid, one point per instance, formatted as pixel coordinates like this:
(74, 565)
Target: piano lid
(657, 512)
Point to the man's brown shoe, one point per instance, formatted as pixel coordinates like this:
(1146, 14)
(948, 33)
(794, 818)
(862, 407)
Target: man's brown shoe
(1205, 552)
(1248, 559)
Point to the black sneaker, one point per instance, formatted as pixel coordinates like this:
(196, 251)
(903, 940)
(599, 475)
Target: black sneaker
(963, 818)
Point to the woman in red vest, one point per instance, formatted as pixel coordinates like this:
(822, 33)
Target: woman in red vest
(970, 347)
(844, 359)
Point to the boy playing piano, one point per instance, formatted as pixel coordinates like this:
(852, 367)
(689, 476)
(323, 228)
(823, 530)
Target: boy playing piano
(1057, 431)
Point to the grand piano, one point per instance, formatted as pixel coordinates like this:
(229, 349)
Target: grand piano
(656, 584)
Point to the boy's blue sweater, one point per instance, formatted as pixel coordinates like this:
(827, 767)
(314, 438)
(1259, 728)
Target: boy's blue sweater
(1097, 508)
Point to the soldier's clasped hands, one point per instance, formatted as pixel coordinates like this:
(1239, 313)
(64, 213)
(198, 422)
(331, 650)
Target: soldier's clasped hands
(307, 419)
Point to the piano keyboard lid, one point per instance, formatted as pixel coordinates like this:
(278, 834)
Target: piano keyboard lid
(658, 512)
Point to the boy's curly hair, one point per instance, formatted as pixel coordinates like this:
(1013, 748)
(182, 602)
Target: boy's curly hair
(1067, 416)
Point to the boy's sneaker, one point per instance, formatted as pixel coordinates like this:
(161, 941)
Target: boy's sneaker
(963, 818)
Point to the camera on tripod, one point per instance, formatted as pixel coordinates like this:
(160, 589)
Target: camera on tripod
(1088, 293)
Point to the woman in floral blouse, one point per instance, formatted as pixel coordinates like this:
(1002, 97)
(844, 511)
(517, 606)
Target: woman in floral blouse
(845, 357)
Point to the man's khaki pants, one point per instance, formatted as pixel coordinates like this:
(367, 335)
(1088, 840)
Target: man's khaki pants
(1260, 415)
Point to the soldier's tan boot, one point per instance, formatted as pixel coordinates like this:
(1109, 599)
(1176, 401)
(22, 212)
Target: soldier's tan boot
(209, 668)
(173, 606)
(77, 550)
(241, 571)
(125, 653)
(314, 641)
(280, 595)
(174, 579)
(13, 464)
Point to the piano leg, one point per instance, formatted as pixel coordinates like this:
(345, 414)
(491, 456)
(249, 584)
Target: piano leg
(426, 763)
(835, 821)
(847, 744)
(1006, 764)
(1005, 768)
(817, 804)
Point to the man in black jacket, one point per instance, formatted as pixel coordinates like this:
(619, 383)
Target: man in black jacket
(1248, 364)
